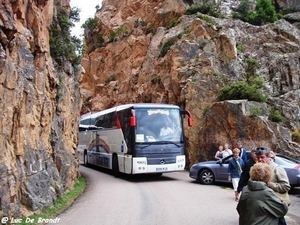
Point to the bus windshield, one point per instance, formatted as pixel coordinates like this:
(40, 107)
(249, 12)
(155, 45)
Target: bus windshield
(156, 125)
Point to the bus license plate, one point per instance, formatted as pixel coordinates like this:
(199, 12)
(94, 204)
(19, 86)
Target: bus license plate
(161, 168)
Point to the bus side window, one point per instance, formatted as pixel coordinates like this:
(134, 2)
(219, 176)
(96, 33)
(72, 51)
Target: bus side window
(99, 121)
(84, 124)
(110, 120)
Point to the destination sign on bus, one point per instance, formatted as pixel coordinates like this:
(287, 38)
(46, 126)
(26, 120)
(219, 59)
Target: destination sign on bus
(158, 111)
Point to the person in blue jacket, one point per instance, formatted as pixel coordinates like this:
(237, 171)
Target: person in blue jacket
(235, 169)
(243, 152)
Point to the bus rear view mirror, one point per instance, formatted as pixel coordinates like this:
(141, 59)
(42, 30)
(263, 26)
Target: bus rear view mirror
(132, 121)
(190, 122)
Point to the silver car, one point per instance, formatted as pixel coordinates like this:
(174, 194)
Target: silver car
(210, 172)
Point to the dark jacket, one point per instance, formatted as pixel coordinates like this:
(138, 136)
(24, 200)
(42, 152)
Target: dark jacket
(243, 154)
(260, 205)
(245, 176)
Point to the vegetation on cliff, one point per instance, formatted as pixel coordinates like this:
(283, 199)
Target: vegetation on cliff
(63, 46)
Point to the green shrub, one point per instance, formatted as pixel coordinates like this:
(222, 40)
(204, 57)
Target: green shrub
(100, 40)
(185, 31)
(255, 111)
(242, 90)
(122, 31)
(112, 36)
(174, 22)
(251, 66)
(193, 9)
(240, 48)
(264, 12)
(276, 115)
(166, 47)
(244, 7)
(208, 7)
(296, 136)
(155, 80)
(202, 43)
(206, 18)
(149, 30)
(63, 47)
(90, 23)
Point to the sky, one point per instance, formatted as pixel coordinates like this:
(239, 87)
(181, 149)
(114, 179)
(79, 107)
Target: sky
(87, 10)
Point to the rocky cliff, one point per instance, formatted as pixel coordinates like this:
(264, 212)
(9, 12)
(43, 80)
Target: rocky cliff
(40, 104)
(152, 51)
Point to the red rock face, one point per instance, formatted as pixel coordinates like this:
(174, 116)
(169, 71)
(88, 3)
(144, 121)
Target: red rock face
(204, 56)
(40, 110)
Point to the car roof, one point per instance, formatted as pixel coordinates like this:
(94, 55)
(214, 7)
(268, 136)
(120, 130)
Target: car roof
(287, 157)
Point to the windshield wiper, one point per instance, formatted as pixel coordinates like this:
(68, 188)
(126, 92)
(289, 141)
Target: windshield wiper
(147, 145)
(160, 142)
(167, 142)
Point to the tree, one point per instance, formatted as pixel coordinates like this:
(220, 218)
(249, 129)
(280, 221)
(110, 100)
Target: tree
(264, 12)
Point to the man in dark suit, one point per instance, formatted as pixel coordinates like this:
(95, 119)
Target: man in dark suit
(245, 174)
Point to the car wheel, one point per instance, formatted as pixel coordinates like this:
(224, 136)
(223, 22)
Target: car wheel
(206, 177)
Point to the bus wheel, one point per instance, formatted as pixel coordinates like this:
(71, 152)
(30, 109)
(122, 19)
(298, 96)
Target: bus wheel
(85, 160)
(115, 166)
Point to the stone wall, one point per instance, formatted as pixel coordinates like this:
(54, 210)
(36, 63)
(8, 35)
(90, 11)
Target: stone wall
(40, 111)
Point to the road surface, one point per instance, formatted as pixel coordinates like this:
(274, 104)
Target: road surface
(171, 199)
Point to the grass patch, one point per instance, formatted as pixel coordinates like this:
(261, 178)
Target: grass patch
(60, 205)
(296, 136)
(166, 47)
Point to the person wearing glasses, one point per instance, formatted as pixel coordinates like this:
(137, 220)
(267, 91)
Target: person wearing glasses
(279, 180)
(259, 204)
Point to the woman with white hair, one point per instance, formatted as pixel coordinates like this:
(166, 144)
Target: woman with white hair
(258, 203)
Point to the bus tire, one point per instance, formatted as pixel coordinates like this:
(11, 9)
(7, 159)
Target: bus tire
(115, 166)
(85, 160)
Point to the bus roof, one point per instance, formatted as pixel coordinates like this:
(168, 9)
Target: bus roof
(126, 106)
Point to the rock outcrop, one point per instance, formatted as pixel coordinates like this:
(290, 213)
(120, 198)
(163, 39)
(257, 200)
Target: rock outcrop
(40, 111)
(152, 52)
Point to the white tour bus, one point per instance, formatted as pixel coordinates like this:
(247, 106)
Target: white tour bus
(134, 138)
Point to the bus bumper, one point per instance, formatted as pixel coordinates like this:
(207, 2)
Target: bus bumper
(139, 165)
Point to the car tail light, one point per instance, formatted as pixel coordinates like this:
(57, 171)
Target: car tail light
(297, 167)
